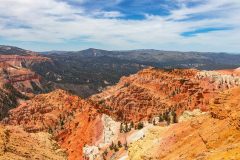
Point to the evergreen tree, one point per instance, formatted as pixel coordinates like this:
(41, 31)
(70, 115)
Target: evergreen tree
(126, 127)
(140, 125)
(121, 128)
(160, 119)
(126, 146)
(174, 115)
(104, 154)
(119, 144)
(50, 131)
(61, 122)
(166, 116)
(149, 120)
(111, 146)
(132, 125)
(168, 119)
(154, 122)
(115, 148)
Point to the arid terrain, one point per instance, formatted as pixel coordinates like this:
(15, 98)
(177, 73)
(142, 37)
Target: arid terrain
(170, 114)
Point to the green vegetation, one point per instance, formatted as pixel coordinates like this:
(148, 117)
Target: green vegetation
(169, 117)
(85, 70)
(121, 128)
(111, 147)
(174, 117)
(9, 99)
(154, 122)
(50, 130)
(104, 154)
(126, 146)
(160, 118)
(61, 122)
(119, 144)
(114, 147)
(126, 127)
(36, 89)
(132, 125)
(13, 92)
(140, 125)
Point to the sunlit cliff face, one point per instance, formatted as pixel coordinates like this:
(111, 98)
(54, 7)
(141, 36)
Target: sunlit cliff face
(151, 92)
(86, 128)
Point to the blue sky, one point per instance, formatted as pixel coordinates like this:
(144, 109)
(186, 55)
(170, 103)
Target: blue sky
(184, 25)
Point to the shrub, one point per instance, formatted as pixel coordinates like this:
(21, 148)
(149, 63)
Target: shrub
(140, 125)
(119, 144)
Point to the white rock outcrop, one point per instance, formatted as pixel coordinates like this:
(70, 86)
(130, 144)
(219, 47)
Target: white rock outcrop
(187, 115)
(110, 134)
(221, 80)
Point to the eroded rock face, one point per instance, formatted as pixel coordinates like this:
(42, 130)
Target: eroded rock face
(17, 81)
(209, 136)
(16, 70)
(110, 131)
(187, 115)
(8, 100)
(234, 72)
(72, 121)
(44, 111)
(22, 61)
(201, 138)
(227, 106)
(86, 128)
(237, 70)
(151, 92)
(221, 81)
(15, 143)
(110, 134)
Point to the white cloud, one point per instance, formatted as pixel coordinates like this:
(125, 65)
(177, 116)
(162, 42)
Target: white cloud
(55, 21)
(106, 14)
(112, 14)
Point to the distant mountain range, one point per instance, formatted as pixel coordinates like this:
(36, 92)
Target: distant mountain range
(11, 50)
(206, 60)
(89, 71)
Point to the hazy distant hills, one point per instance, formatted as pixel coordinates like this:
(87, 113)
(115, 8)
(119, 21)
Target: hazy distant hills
(10, 50)
(88, 71)
(205, 60)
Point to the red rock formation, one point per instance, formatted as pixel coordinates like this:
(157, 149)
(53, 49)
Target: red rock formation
(17, 81)
(75, 122)
(151, 92)
(226, 106)
(207, 137)
(235, 72)
(21, 61)
(14, 70)
(71, 120)
(15, 143)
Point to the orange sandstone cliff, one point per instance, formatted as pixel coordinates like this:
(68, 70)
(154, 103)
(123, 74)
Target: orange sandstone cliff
(15, 143)
(71, 120)
(17, 81)
(86, 128)
(151, 92)
(213, 135)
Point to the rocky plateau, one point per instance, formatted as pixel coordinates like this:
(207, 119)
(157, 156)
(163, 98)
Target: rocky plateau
(169, 114)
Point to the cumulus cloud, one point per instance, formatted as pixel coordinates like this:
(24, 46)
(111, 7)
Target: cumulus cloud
(55, 21)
